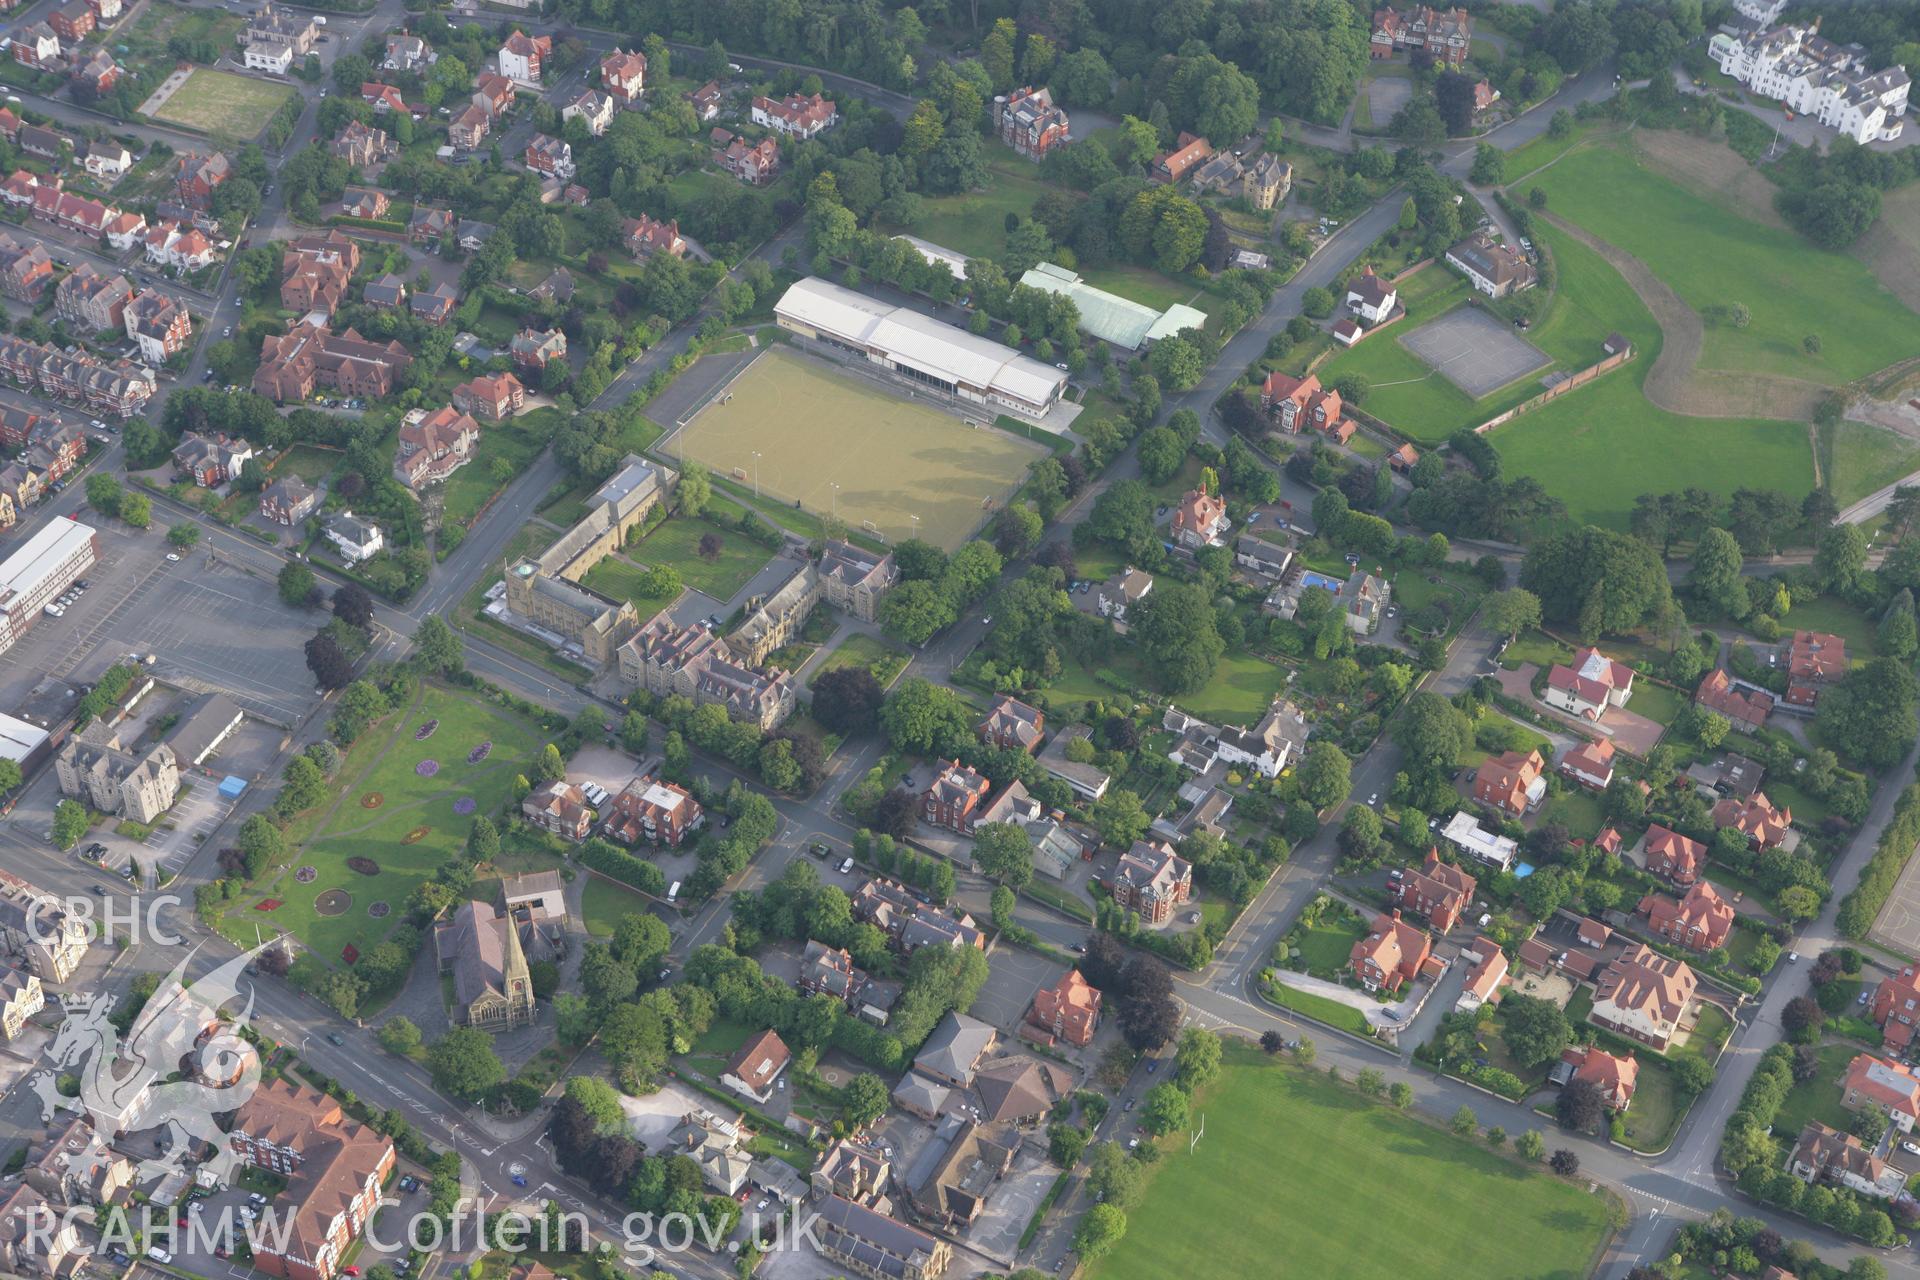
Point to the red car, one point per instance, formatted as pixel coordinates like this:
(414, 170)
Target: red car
(350, 1271)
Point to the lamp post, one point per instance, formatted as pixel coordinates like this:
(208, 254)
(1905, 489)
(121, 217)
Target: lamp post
(756, 475)
(835, 508)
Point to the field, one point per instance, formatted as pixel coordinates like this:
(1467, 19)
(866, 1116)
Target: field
(1712, 257)
(1859, 459)
(410, 830)
(1600, 447)
(604, 904)
(1387, 1194)
(908, 469)
(223, 104)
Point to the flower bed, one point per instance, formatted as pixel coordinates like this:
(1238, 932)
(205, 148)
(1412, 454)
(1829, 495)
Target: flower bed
(427, 768)
(365, 866)
(425, 731)
(479, 753)
(464, 805)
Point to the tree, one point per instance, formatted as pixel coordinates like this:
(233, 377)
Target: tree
(332, 668)
(1511, 611)
(296, 582)
(1464, 1122)
(1400, 1094)
(695, 489)
(863, 1100)
(1120, 818)
(184, 535)
(1164, 1109)
(1869, 715)
(70, 822)
(1564, 1162)
(1897, 634)
(1692, 1075)
(1002, 851)
(437, 647)
(1176, 630)
(1802, 1019)
(1580, 1106)
(483, 840)
(260, 844)
(847, 700)
(1160, 453)
(1099, 1231)
(352, 605)
(1597, 580)
(399, 1036)
(105, 494)
(1324, 776)
(464, 1064)
(1489, 165)
(1535, 1030)
(1840, 558)
(10, 776)
(1197, 1060)
(1432, 731)
(926, 719)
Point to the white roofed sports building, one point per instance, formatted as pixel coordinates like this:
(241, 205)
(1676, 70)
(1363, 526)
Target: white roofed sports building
(920, 348)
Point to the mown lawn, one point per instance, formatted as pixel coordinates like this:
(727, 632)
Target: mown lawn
(623, 580)
(677, 542)
(1388, 1194)
(882, 657)
(1860, 459)
(1656, 701)
(1711, 257)
(512, 446)
(604, 904)
(1327, 946)
(1818, 1098)
(1597, 449)
(1840, 619)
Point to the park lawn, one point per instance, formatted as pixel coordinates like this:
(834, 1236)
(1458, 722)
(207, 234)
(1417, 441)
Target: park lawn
(382, 762)
(1710, 256)
(1859, 458)
(219, 102)
(604, 904)
(1839, 618)
(621, 579)
(1656, 701)
(1388, 1195)
(1818, 1098)
(676, 542)
(1546, 149)
(882, 657)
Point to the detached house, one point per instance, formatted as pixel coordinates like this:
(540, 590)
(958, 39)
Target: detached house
(1615, 1075)
(1824, 1154)
(1370, 298)
(1487, 976)
(1673, 856)
(210, 461)
(1438, 890)
(197, 177)
(1882, 1086)
(1592, 684)
(559, 807)
(1700, 921)
(1644, 995)
(1365, 599)
(1029, 122)
(646, 236)
(623, 75)
(1746, 708)
(355, 540)
(1301, 404)
(796, 116)
(1012, 723)
(756, 1066)
(1756, 818)
(535, 349)
(549, 155)
(1391, 955)
(756, 164)
(1068, 1010)
(288, 501)
(1200, 520)
(1172, 166)
(522, 57)
(1814, 658)
(957, 792)
(491, 397)
(1512, 782)
(1590, 764)
(1492, 267)
(1896, 1008)
(707, 101)
(593, 107)
(1151, 880)
(433, 446)
(383, 98)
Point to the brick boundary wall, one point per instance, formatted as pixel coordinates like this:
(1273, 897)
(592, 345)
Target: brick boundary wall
(1573, 381)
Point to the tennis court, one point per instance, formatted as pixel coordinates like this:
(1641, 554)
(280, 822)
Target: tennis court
(836, 444)
(1475, 351)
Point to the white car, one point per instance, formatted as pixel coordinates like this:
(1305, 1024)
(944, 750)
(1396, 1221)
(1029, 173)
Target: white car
(1910, 1148)
(1374, 799)
(173, 558)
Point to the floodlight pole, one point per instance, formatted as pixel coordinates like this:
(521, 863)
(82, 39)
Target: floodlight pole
(836, 499)
(756, 475)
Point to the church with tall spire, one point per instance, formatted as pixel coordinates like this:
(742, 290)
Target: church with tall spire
(492, 982)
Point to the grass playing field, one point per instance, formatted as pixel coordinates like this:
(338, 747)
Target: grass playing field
(1600, 447)
(383, 763)
(224, 104)
(1367, 1191)
(1711, 257)
(802, 428)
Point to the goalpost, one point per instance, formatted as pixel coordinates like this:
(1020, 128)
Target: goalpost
(1198, 1134)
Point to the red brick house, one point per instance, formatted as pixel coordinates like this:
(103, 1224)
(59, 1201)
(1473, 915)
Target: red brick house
(1896, 1007)
(1746, 708)
(649, 811)
(73, 21)
(1700, 921)
(493, 93)
(1512, 782)
(1590, 764)
(755, 165)
(1814, 658)
(288, 501)
(646, 236)
(623, 75)
(1200, 519)
(197, 176)
(1391, 955)
(333, 1166)
(1644, 995)
(382, 97)
(955, 797)
(1152, 880)
(1172, 166)
(1614, 1075)
(536, 348)
(36, 45)
(1673, 856)
(1068, 1010)
(1301, 404)
(491, 397)
(1012, 723)
(1437, 890)
(293, 364)
(1754, 817)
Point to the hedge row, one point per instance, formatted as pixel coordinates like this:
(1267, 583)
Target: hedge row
(616, 864)
(1861, 907)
